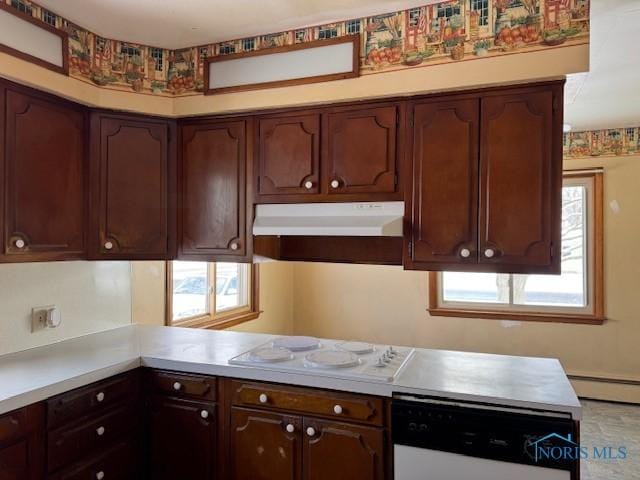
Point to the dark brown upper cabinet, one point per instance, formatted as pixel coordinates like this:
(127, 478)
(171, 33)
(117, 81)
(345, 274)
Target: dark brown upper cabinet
(487, 181)
(132, 188)
(521, 180)
(360, 150)
(288, 155)
(445, 182)
(42, 142)
(213, 204)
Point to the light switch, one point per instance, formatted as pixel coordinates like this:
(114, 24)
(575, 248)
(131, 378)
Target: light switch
(45, 317)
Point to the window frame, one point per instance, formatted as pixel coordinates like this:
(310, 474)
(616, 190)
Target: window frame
(211, 319)
(595, 281)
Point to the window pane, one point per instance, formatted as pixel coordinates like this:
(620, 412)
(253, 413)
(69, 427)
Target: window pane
(568, 289)
(189, 289)
(232, 286)
(475, 287)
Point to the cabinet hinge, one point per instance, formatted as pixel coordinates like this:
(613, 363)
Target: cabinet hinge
(410, 248)
(395, 179)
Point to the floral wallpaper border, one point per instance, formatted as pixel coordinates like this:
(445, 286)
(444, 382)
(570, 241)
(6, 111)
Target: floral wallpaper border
(445, 32)
(602, 143)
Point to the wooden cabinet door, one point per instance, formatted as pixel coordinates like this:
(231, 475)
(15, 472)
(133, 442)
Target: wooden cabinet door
(444, 208)
(341, 451)
(521, 180)
(360, 151)
(22, 444)
(261, 448)
(213, 197)
(131, 171)
(288, 156)
(181, 439)
(44, 178)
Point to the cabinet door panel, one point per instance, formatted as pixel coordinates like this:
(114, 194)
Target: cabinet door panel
(182, 443)
(130, 188)
(341, 451)
(261, 447)
(22, 444)
(213, 191)
(360, 151)
(45, 179)
(445, 182)
(289, 155)
(519, 187)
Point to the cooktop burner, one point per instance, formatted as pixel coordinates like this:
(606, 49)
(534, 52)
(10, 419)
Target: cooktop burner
(330, 358)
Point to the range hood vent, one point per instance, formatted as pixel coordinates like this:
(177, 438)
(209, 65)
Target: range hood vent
(361, 219)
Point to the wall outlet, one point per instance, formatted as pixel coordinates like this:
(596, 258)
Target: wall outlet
(45, 317)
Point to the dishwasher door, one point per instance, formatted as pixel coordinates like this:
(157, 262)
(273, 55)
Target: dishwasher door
(413, 463)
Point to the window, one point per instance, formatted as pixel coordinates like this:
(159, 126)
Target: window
(21, 6)
(101, 44)
(353, 26)
(158, 57)
(575, 296)
(248, 44)
(482, 7)
(300, 36)
(227, 48)
(327, 32)
(448, 10)
(130, 51)
(49, 17)
(211, 295)
(414, 17)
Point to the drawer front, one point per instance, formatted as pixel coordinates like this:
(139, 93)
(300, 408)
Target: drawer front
(70, 444)
(13, 426)
(182, 385)
(359, 408)
(118, 462)
(92, 399)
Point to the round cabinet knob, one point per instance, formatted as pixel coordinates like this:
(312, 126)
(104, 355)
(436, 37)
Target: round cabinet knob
(335, 183)
(465, 253)
(234, 246)
(290, 428)
(19, 243)
(204, 414)
(489, 253)
(308, 185)
(100, 475)
(263, 398)
(311, 431)
(100, 397)
(177, 386)
(100, 431)
(108, 245)
(337, 409)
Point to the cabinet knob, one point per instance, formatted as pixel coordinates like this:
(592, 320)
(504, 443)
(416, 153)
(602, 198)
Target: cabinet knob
(290, 428)
(263, 398)
(177, 386)
(19, 243)
(489, 252)
(465, 253)
(100, 431)
(335, 183)
(108, 245)
(100, 475)
(337, 409)
(308, 184)
(234, 245)
(311, 431)
(100, 396)
(204, 414)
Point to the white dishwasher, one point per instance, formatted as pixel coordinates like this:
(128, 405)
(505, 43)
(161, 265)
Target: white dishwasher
(446, 440)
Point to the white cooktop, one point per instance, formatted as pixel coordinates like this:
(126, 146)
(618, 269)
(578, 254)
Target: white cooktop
(328, 358)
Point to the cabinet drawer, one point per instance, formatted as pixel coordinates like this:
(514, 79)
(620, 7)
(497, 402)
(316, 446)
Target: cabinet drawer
(70, 444)
(92, 399)
(118, 462)
(359, 408)
(14, 425)
(182, 385)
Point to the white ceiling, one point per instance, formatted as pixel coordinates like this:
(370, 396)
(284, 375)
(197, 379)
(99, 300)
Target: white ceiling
(606, 97)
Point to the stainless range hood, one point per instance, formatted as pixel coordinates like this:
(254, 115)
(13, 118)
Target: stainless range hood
(360, 219)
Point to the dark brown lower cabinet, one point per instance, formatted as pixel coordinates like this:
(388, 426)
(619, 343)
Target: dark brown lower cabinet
(22, 444)
(181, 436)
(265, 446)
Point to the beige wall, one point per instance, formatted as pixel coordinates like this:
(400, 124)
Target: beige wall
(276, 297)
(388, 305)
(91, 297)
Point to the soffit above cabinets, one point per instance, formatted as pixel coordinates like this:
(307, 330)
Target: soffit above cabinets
(176, 24)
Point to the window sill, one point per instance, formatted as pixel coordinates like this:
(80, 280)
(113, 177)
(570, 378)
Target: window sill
(218, 323)
(518, 316)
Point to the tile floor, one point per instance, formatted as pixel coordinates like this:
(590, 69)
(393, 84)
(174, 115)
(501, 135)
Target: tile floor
(605, 423)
